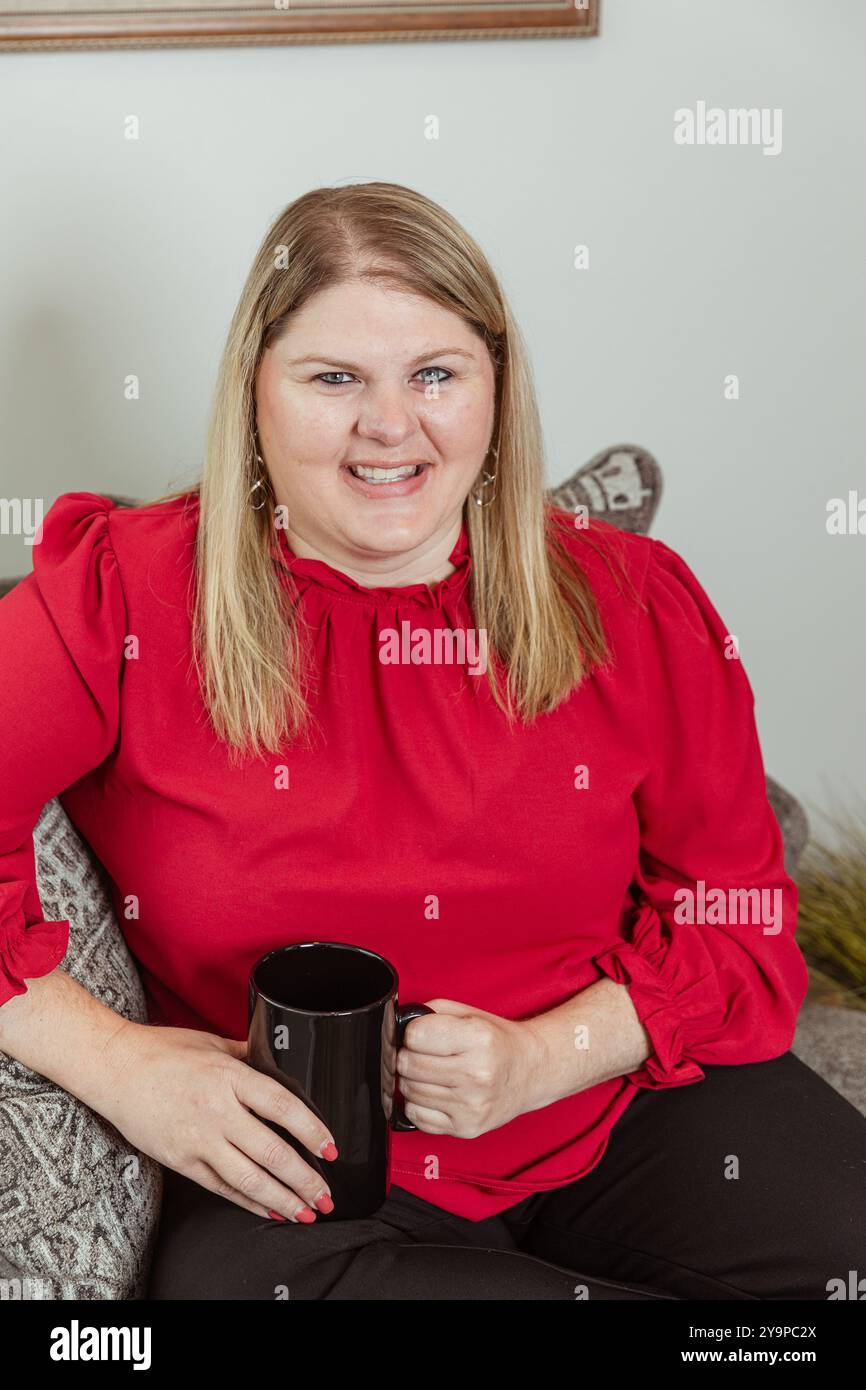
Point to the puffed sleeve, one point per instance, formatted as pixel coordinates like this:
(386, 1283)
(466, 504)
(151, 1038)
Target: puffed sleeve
(709, 956)
(62, 633)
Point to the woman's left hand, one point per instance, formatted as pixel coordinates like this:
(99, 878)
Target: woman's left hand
(463, 1071)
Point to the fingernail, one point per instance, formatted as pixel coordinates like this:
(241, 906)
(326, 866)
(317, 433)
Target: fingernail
(329, 1150)
(275, 1216)
(324, 1202)
(304, 1214)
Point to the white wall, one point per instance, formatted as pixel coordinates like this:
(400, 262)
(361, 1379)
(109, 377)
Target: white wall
(122, 256)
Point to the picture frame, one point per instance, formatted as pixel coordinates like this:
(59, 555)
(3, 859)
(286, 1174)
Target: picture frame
(94, 24)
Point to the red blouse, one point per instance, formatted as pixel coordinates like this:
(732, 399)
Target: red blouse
(415, 792)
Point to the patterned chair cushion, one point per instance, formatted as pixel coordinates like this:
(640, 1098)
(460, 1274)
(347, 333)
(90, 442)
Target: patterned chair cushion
(622, 485)
(79, 1205)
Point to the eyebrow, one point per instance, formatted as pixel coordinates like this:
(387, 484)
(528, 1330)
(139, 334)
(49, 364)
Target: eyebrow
(353, 367)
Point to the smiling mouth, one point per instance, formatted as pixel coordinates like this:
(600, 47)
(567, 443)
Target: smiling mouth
(388, 474)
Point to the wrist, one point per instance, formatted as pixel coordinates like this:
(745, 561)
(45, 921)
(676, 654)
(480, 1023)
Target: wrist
(544, 1083)
(595, 1037)
(113, 1057)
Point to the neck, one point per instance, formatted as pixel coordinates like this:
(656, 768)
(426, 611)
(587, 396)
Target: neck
(424, 564)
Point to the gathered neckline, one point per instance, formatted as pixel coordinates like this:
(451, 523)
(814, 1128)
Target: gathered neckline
(320, 574)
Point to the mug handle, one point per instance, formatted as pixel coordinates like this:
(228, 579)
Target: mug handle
(403, 1016)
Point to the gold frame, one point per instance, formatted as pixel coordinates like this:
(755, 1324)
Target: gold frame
(179, 25)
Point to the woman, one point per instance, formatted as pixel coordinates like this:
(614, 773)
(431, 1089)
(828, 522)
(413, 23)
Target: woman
(213, 683)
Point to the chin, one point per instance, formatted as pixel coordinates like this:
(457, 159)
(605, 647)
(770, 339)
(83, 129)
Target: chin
(389, 535)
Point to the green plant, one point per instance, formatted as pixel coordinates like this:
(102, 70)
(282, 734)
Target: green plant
(831, 928)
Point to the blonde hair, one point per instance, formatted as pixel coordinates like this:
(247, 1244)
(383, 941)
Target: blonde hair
(526, 588)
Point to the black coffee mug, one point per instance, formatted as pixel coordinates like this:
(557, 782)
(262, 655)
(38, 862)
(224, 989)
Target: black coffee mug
(324, 1020)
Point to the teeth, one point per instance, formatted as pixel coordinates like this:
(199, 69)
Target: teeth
(384, 475)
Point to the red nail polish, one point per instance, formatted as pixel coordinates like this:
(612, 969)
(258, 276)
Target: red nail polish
(275, 1216)
(324, 1203)
(329, 1150)
(304, 1214)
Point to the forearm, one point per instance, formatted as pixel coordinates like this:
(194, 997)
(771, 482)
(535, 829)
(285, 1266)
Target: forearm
(595, 1036)
(58, 1029)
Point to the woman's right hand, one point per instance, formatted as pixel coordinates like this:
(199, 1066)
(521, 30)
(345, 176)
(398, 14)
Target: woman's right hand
(189, 1100)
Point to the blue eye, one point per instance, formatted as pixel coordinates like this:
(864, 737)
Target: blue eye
(424, 371)
(322, 375)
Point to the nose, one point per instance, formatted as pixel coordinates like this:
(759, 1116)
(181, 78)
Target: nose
(387, 414)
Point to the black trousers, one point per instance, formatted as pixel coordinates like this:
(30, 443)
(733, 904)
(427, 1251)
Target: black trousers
(750, 1184)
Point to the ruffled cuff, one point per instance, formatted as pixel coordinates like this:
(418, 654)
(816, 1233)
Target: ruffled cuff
(668, 1003)
(26, 952)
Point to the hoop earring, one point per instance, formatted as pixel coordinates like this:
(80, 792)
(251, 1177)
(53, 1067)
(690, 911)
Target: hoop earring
(487, 480)
(257, 507)
(255, 487)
